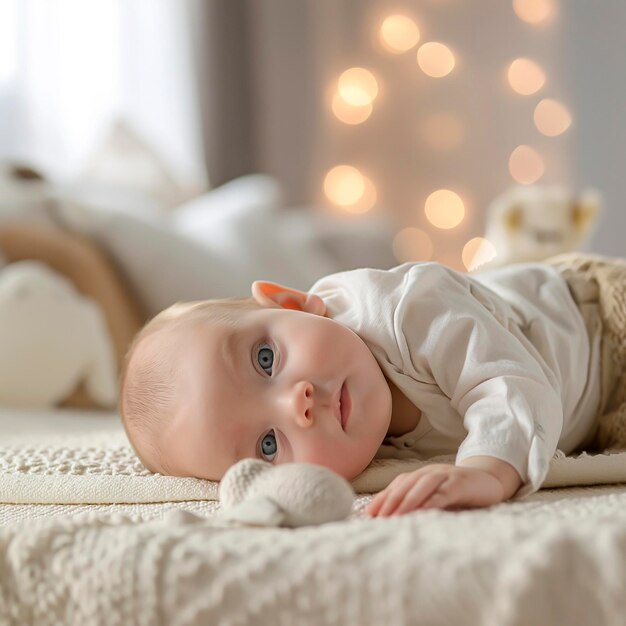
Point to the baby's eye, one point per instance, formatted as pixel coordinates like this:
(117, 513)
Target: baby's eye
(269, 446)
(265, 358)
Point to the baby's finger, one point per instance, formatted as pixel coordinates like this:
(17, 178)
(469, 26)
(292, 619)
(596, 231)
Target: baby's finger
(421, 492)
(378, 500)
(394, 496)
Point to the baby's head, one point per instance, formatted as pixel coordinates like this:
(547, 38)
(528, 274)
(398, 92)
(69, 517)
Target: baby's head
(209, 383)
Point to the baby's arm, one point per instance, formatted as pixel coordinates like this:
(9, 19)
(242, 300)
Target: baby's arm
(511, 408)
(476, 481)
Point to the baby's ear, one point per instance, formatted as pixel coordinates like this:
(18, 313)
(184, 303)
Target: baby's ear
(277, 296)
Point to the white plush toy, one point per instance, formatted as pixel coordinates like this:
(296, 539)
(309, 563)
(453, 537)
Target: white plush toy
(51, 339)
(533, 223)
(257, 493)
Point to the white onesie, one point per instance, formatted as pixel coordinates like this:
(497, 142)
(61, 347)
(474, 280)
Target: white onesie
(499, 363)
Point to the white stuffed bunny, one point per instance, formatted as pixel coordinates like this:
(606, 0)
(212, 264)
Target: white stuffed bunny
(257, 493)
(532, 223)
(51, 339)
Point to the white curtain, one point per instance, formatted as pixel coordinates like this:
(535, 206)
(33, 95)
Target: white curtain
(69, 69)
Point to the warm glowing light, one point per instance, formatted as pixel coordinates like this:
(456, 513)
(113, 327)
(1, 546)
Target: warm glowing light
(442, 131)
(358, 87)
(346, 187)
(526, 165)
(444, 209)
(534, 11)
(476, 252)
(412, 244)
(435, 59)
(399, 33)
(551, 117)
(366, 201)
(350, 114)
(526, 77)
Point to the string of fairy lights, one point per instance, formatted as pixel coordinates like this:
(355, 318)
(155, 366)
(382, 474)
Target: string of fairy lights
(354, 99)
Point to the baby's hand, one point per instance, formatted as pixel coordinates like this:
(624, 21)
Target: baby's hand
(437, 486)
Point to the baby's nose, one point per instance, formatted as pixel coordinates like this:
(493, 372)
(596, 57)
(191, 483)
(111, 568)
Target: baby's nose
(301, 402)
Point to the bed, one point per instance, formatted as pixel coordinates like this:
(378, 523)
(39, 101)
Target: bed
(89, 536)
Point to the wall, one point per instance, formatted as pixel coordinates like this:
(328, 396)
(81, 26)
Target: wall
(595, 50)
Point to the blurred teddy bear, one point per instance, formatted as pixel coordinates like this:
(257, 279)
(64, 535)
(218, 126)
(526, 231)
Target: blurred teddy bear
(51, 339)
(533, 223)
(66, 319)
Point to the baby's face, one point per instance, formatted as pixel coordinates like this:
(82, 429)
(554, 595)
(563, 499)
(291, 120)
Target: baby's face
(283, 386)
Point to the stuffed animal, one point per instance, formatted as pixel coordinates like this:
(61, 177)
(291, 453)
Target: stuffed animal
(90, 284)
(532, 223)
(256, 493)
(51, 339)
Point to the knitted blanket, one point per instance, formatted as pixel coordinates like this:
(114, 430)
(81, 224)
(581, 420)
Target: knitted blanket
(115, 544)
(102, 468)
(541, 561)
(598, 283)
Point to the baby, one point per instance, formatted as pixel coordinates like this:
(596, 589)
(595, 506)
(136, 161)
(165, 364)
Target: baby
(499, 368)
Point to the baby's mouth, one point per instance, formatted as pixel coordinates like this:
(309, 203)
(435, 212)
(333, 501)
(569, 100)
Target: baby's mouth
(345, 405)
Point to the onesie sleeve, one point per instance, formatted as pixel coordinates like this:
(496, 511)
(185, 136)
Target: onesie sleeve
(511, 408)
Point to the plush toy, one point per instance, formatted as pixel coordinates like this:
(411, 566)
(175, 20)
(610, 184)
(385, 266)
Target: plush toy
(51, 339)
(75, 276)
(532, 223)
(257, 493)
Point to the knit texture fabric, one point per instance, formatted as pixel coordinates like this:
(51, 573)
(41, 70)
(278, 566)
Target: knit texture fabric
(602, 280)
(94, 469)
(555, 558)
(102, 468)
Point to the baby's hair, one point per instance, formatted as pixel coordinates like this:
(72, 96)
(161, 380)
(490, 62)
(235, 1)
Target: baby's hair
(148, 386)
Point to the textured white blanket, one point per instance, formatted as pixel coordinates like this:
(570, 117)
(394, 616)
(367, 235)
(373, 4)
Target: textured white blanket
(102, 468)
(542, 561)
(556, 557)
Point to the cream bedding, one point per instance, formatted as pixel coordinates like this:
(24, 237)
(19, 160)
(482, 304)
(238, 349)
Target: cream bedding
(89, 537)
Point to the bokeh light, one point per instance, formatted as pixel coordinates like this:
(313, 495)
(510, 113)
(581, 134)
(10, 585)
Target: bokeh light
(357, 86)
(366, 201)
(435, 59)
(412, 244)
(526, 77)
(526, 165)
(551, 117)
(442, 131)
(476, 252)
(399, 33)
(534, 11)
(444, 209)
(346, 187)
(348, 113)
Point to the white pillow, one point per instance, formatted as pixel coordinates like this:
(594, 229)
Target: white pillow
(218, 244)
(214, 247)
(254, 193)
(161, 265)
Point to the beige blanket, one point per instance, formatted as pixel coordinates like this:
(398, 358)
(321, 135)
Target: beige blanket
(540, 561)
(558, 556)
(102, 468)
